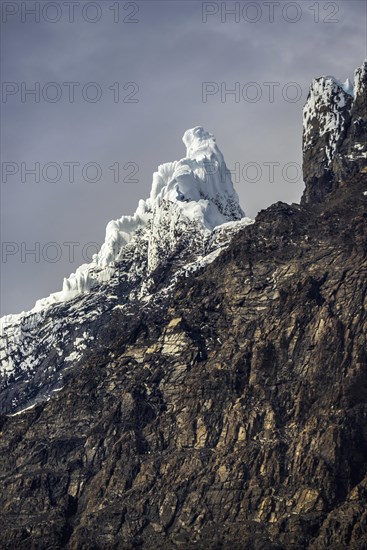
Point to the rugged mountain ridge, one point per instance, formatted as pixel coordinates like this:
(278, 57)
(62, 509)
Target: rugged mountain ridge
(189, 217)
(232, 414)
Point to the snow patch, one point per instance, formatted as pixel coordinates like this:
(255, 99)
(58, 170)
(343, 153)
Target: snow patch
(23, 410)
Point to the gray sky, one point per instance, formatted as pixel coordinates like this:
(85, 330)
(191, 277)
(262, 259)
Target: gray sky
(168, 53)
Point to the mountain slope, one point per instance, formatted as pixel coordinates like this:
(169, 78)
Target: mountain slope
(230, 412)
(239, 420)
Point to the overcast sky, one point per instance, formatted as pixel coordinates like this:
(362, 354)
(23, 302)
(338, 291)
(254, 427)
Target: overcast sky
(158, 55)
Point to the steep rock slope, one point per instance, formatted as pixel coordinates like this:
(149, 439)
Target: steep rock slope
(229, 413)
(234, 417)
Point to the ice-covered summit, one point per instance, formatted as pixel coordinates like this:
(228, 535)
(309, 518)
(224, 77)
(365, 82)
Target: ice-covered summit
(199, 184)
(196, 190)
(198, 142)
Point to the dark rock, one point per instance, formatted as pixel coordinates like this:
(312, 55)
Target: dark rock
(236, 417)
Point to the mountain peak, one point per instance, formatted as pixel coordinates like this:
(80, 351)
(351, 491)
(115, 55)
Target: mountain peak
(190, 215)
(195, 191)
(198, 142)
(334, 133)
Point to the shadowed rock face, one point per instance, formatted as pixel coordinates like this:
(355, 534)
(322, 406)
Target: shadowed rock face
(234, 416)
(230, 414)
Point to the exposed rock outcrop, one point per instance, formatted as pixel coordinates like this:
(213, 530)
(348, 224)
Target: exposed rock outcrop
(334, 134)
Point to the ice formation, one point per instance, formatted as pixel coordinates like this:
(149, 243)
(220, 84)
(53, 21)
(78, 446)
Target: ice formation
(198, 187)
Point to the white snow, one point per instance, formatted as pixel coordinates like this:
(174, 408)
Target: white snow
(220, 239)
(23, 410)
(74, 356)
(198, 185)
(200, 188)
(348, 87)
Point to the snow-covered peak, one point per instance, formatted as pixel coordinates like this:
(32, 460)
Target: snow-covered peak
(334, 133)
(195, 190)
(199, 186)
(328, 108)
(190, 216)
(325, 113)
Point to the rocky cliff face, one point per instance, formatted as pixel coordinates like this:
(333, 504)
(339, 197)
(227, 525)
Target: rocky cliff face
(334, 134)
(228, 410)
